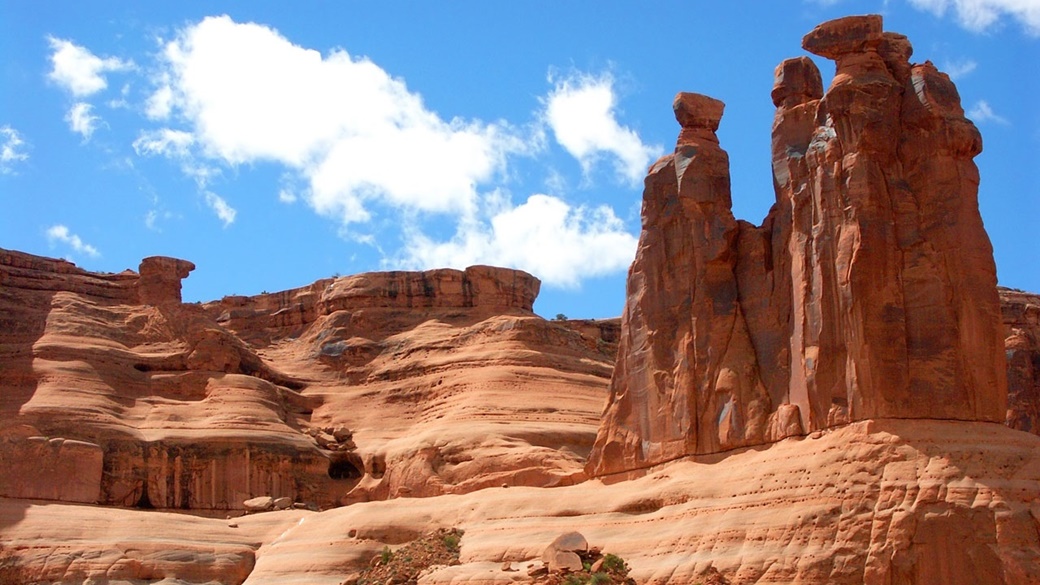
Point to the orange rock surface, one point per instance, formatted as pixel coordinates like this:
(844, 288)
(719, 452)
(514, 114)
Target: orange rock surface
(876, 502)
(1021, 312)
(819, 400)
(868, 292)
(363, 387)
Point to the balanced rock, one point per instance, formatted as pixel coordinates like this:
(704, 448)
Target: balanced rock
(869, 291)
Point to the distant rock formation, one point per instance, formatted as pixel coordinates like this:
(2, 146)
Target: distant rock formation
(1021, 311)
(484, 288)
(160, 280)
(868, 292)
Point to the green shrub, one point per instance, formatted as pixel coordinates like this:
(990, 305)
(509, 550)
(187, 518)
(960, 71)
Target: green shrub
(615, 564)
(386, 556)
(451, 541)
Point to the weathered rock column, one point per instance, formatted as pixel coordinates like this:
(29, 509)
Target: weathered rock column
(161, 279)
(686, 379)
(869, 291)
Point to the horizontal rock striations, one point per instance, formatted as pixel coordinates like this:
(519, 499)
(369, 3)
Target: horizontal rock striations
(363, 387)
(917, 502)
(484, 288)
(868, 292)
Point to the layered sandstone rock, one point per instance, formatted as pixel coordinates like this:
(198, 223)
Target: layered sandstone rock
(869, 291)
(914, 502)
(363, 387)
(267, 316)
(437, 390)
(1021, 311)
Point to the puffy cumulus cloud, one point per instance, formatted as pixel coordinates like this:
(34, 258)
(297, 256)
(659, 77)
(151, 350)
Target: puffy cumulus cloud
(81, 119)
(11, 150)
(354, 141)
(60, 234)
(581, 111)
(343, 123)
(980, 15)
(981, 113)
(225, 212)
(559, 243)
(80, 71)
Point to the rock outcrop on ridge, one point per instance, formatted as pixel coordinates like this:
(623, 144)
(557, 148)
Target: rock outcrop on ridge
(868, 292)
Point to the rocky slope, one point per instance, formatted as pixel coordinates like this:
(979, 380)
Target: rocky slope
(817, 400)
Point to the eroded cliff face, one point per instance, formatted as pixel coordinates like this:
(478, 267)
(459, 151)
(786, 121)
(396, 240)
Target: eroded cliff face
(356, 388)
(1021, 312)
(868, 292)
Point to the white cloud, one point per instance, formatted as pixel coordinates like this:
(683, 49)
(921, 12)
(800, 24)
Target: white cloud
(11, 153)
(982, 112)
(545, 236)
(81, 119)
(166, 142)
(581, 112)
(980, 15)
(958, 69)
(123, 101)
(177, 145)
(154, 218)
(60, 233)
(356, 142)
(159, 104)
(78, 70)
(342, 123)
(225, 212)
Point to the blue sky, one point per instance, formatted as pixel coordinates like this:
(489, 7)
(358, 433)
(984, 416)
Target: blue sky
(274, 144)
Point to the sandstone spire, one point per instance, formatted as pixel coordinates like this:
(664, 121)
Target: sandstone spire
(869, 291)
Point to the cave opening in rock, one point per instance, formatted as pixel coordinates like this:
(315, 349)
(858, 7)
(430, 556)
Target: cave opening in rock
(344, 469)
(144, 502)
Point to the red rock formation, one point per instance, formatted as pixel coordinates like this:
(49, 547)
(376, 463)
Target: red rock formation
(160, 280)
(869, 291)
(487, 288)
(909, 502)
(1021, 311)
(362, 387)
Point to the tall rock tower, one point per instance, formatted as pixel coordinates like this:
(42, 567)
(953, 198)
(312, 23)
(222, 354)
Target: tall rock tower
(869, 291)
